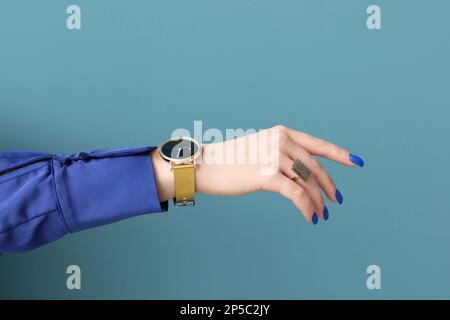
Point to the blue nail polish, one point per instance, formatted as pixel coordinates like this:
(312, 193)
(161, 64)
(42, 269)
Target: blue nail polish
(315, 219)
(339, 197)
(326, 215)
(356, 160)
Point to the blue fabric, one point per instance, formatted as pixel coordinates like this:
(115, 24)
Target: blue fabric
(45, 196)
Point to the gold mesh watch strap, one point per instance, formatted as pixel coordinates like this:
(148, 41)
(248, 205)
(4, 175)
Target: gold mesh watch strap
(184, 177)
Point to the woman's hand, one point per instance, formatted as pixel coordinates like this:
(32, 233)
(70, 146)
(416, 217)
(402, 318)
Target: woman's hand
(263, 161)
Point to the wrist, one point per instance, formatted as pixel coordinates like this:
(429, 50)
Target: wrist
(163, 176)
(165, 179)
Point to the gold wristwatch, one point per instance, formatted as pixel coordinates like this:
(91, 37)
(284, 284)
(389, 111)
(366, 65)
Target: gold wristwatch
(181, 153)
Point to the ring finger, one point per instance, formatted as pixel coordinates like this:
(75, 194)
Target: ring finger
(311, 186)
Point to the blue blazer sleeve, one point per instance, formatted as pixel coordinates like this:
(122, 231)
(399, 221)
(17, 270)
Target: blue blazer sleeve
(44, 196)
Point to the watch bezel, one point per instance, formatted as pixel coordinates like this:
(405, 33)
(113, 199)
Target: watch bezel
(180, 161)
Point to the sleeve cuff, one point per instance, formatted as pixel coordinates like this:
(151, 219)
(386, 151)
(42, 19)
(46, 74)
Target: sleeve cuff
(100, 191)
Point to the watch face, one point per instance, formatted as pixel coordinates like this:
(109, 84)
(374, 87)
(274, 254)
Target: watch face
(180, 149)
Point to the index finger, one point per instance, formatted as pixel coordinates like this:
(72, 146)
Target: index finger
(325, 149)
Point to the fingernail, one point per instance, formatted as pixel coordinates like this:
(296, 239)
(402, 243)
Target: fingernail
(326, 215)
(315, 219)
(356, 160)
(339, 197)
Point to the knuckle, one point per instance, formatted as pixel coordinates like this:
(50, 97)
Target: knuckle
(280, 170)
(318, 141)
(342, 153)
(280, 127)
(325, 147)
(336, 151)
(283, 138)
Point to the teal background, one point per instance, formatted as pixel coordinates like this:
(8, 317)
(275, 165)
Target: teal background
(139, 69)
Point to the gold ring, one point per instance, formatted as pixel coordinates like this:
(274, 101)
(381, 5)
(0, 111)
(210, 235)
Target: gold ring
(301, 170)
